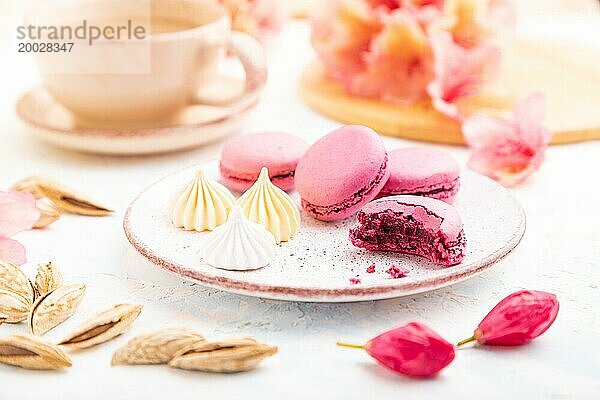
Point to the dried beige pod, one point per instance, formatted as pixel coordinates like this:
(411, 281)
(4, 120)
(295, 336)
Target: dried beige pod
(103, 326)
(156, 347)
(63, 197)
(48, 278)
(54, 308)
(30, 185)
(232, 355)
(32, 352)
(13, 279)
(49, 213)
(14, 306)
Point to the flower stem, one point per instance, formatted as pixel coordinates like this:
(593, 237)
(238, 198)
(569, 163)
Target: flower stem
(354, 346)
(465, 341)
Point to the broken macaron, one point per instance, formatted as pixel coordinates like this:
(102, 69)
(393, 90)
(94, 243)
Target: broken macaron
(415, 225)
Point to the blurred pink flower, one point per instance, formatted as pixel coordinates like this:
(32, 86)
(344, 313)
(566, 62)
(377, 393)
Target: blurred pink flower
(389, 4)
(17, 213)
(341, 35)
(473, 21)
(259, 18)
(459, 71)
(394, 4)
(402, 50)
(384, 55)
(508, 150)
(399, 63)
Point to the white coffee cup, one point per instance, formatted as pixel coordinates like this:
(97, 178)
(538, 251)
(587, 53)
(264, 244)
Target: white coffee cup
(131, 81)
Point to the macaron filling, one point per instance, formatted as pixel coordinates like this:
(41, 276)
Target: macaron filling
(249, 179)
(357, 197)
(389, 230)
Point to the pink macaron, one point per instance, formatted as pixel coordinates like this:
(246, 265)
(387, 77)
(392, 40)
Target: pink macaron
(244, 156)
(422, 171)
(415, 225)
(341, 172)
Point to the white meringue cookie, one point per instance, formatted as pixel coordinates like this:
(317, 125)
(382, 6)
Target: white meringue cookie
(238, 244)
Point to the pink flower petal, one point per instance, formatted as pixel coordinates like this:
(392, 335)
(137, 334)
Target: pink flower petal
(259, 18)
(388, 4)
(479, 130)
(472, 22)
(508, 150)
(341, 34)
(398, 64)
(459, 71)
(528, 113)
(12, 251)
(17, 212)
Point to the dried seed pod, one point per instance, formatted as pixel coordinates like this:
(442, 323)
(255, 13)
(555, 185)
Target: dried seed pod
(31, 352)
(49, 213)
(157, 347)
(103, 326)
(54, 308)
(30, 185)
(14, 306)
(63, 197)
(232, 355)
(13, 279)
(48, 278)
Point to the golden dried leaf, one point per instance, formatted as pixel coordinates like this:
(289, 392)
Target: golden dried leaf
(156, 348)
(103, 326)
(31, 352)
(232, 355)
(14, 306)
(48, 278)
(13, 279)
(49, 213)
(63, 197)
(54, 308)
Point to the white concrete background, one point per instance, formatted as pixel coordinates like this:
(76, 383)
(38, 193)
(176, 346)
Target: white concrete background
(560, 253)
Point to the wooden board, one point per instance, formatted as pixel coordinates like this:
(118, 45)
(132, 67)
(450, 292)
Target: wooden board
(569, 77)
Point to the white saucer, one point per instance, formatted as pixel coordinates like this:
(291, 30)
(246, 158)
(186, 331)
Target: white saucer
(196, 126)
(318, 262)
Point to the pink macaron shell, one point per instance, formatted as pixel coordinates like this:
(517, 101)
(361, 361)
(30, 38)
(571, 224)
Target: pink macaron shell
(341, 172)
(244, 156)
(435, 215)
(422, 170)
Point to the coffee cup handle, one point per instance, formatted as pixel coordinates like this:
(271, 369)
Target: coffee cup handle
(252, 56)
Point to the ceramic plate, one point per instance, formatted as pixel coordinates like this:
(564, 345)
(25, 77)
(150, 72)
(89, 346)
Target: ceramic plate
(196, 126)
(319, 261)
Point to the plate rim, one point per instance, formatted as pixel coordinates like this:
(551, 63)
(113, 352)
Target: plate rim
(362, 292)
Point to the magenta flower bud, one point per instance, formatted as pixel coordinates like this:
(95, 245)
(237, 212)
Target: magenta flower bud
(412, 349)
(516, 320)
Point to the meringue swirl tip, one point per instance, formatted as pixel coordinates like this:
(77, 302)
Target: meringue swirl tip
(202, 205)
(271, 207)
(239, 244)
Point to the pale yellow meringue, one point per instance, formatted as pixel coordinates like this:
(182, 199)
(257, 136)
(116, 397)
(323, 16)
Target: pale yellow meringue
(271, 207)
(202, 205)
